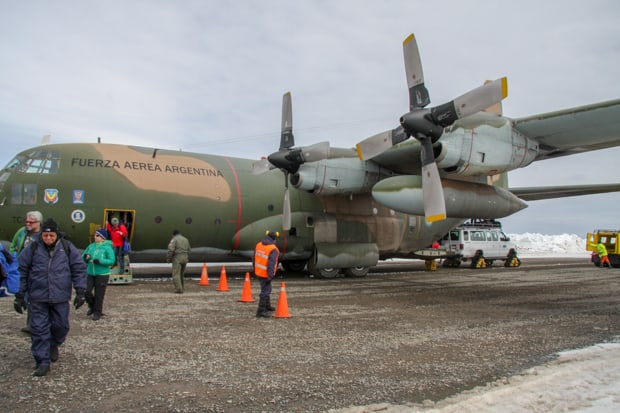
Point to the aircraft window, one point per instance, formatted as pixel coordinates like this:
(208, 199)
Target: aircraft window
(158, 219)
(188, 220)
(41, 162)
(30, 194)
(24, 194)
(14, 163)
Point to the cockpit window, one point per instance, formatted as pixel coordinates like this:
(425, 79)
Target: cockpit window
(39, 162)
(14, 162)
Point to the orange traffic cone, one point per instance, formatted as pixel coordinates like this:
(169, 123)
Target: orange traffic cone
(223, 283)
(282, 306)
(204, 277)
(246, 294)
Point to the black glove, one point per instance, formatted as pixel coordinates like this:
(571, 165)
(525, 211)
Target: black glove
(19, 304)
(96, 261)
(80, 298)
(86, 258)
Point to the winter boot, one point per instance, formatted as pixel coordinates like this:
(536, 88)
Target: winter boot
(262, 308)
(41, 370)
(268, 305)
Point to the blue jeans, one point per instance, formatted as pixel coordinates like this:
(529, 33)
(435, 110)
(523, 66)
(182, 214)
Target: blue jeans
(120, 258)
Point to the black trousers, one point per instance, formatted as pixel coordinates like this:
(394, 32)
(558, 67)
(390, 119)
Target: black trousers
(98, 283)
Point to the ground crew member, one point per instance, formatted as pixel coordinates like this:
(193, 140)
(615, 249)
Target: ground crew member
(178, 255)
(48, 269)
(265, 262)
(602, 254)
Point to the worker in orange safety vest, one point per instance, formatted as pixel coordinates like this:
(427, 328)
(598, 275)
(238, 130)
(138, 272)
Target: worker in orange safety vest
(265, 263)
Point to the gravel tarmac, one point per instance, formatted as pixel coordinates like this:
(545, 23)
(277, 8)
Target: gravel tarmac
(399, 336)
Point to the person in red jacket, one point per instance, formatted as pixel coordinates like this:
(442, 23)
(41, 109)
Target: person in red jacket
(118, 233)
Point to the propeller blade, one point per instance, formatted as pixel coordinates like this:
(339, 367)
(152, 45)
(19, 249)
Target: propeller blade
(287, 140)
(418, 94)
(474, 101)
(315, 152)
(434, 202)
(379, 143)
(286, 210)
(260, 167)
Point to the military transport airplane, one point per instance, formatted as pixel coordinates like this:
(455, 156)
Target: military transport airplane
(340, 209)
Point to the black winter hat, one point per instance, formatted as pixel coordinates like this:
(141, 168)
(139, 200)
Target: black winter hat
(49, 226)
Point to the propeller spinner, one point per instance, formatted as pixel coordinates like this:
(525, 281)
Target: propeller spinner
(427, 125)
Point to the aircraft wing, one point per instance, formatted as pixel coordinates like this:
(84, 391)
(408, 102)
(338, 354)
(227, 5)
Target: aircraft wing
(571, 131)
(552, 192)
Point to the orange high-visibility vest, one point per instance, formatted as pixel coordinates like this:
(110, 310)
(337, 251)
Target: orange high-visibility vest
(261, 258)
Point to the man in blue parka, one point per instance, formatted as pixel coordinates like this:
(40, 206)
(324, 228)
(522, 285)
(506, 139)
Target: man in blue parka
(49, 268)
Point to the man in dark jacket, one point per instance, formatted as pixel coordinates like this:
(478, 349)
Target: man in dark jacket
(48, 269)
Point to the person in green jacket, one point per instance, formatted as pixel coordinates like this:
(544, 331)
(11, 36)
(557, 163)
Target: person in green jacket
(99, 256)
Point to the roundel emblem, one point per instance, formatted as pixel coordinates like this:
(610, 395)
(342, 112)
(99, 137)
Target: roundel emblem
(78, 216)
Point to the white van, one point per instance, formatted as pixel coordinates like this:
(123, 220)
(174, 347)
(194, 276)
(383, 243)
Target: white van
(480, 242)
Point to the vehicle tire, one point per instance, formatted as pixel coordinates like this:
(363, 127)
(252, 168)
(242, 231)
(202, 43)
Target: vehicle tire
(512, 260)
(356, 271)
(478, 260)
(294, 266)
(489, 263)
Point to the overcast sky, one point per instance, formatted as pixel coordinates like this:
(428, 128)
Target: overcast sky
(207, 76)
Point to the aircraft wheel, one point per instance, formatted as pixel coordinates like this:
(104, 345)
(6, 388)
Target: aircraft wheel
(356, 271)
(326, 272)
(294, 266)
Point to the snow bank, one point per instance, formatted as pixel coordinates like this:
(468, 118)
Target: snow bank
(540, 245)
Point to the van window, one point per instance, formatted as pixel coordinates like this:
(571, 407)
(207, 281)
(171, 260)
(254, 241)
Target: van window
(465, 235)
(488, 235)
(503, 237)
(477, 236)
(454, 235)
(494, 236)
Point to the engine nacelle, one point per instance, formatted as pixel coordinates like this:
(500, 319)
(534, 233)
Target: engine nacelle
(463, 199)
(338, 176)
(485, 150)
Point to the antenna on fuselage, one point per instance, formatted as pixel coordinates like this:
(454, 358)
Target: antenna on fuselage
(98, 139)
(46, 139)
